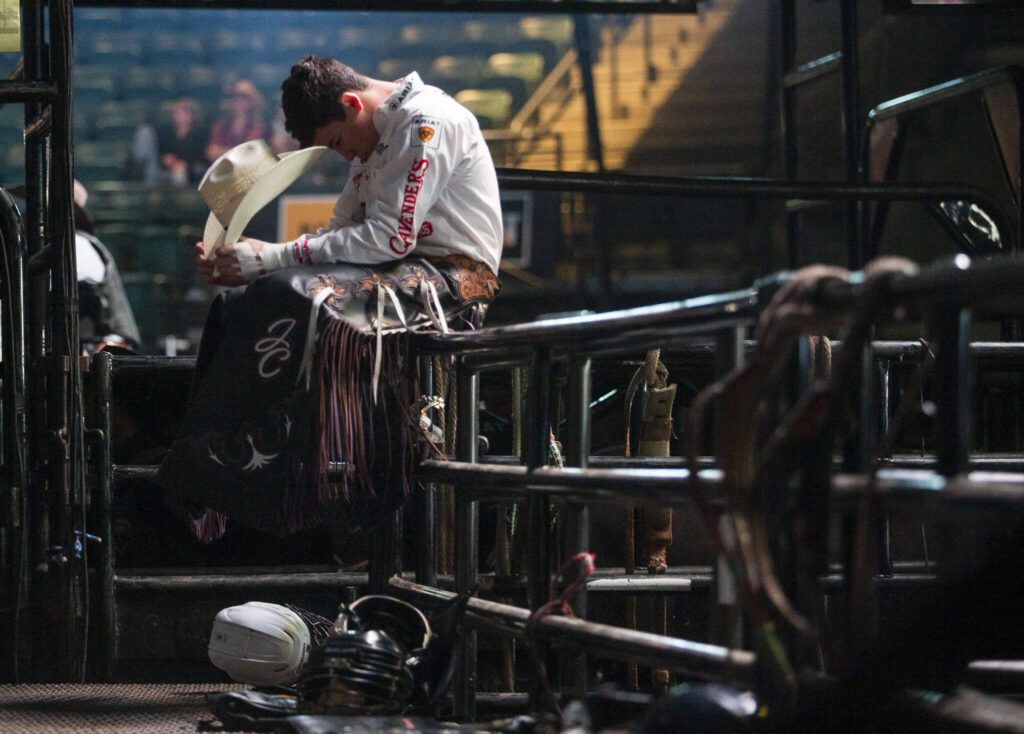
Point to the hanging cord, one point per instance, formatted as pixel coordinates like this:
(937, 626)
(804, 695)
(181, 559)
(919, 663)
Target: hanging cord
(820, 406)
(559, 605)
(418, 416)
(821, 357)
(652, 373)
(794, 309)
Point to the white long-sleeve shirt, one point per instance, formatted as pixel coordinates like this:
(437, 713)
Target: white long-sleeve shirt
(429, 187)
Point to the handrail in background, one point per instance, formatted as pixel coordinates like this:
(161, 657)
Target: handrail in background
(559, 7)
(883, 136)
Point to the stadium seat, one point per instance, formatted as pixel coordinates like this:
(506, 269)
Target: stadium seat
(396, 67)
(114, 47)
(493, 107)
(202, 83)
(469, 68)
(266, 76)
(515, 86)
(549, 50)
(490, 31)
(149, 82)
(94, 85)
(436, 35)
(177, 49)
(526, 66)
(100, 161)
(128, 112)
(557, 28)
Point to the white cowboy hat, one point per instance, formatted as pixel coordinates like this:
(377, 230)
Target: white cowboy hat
(243, 181)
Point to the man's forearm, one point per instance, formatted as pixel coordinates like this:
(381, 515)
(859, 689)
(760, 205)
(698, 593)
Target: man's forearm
(259, 258)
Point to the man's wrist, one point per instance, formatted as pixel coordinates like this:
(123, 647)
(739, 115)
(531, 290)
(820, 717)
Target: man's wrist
(265, 257)
(299, 251)
(253, 263)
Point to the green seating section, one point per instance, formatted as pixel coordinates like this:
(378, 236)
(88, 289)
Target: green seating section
(131, 63)
(139, 59)
(526, 66)
(493, 107)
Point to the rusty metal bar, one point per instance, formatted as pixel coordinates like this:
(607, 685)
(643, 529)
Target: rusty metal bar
(684, 656)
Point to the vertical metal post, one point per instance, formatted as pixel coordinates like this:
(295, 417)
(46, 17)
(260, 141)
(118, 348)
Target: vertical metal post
(37, 330)
(730, 354)
(864, 450)
(103, 372)
(770, 124)
(725, 623)
(585, 57)
(787, 116)
(953, 388)
(576, 532)
(535, 455)
(851, 127)
(426, 561)
(650, 69)
(466, 538)
(613, 52)
(884, 428)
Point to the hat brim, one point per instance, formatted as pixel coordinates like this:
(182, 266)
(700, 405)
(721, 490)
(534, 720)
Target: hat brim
(270, 185)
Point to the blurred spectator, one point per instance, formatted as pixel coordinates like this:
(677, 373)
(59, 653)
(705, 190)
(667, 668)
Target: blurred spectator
(281, 140)
(182, 150)
(241, 125)
(175, 154)
(106, 320)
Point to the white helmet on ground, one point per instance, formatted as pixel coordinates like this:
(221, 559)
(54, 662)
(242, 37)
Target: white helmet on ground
(259, 644)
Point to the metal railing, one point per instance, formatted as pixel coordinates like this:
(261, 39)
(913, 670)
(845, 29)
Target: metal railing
(1002, 93)
(948, 294)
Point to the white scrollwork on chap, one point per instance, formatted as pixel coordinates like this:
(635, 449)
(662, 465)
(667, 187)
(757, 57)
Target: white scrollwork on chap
(258, 460)
(275, 348)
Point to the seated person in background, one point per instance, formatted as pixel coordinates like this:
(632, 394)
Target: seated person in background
(302, 406)
(182, 147)
(243, 123)
(280, 140)
(105, 316)
(175, 154)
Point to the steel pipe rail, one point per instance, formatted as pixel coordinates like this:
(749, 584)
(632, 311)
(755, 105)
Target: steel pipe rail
(917, 489)
(736, 187)
(991, 283)
(445, 6)
(892, 486)
(641, 486)
(623, 330)
(693, 658)
(12, 90)
(943, 92)
(269, 579)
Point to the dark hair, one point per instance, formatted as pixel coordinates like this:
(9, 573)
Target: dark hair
(309, 96)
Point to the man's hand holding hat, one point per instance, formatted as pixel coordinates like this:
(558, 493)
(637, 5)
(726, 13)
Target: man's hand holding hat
(236, 186)
(241, 262)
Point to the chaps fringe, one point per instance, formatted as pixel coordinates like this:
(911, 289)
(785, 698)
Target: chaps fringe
(363, 458)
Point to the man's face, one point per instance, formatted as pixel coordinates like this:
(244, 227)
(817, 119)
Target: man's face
(353, 137)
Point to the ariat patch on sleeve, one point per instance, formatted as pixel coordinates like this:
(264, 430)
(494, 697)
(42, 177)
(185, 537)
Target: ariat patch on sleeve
(425, 132)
